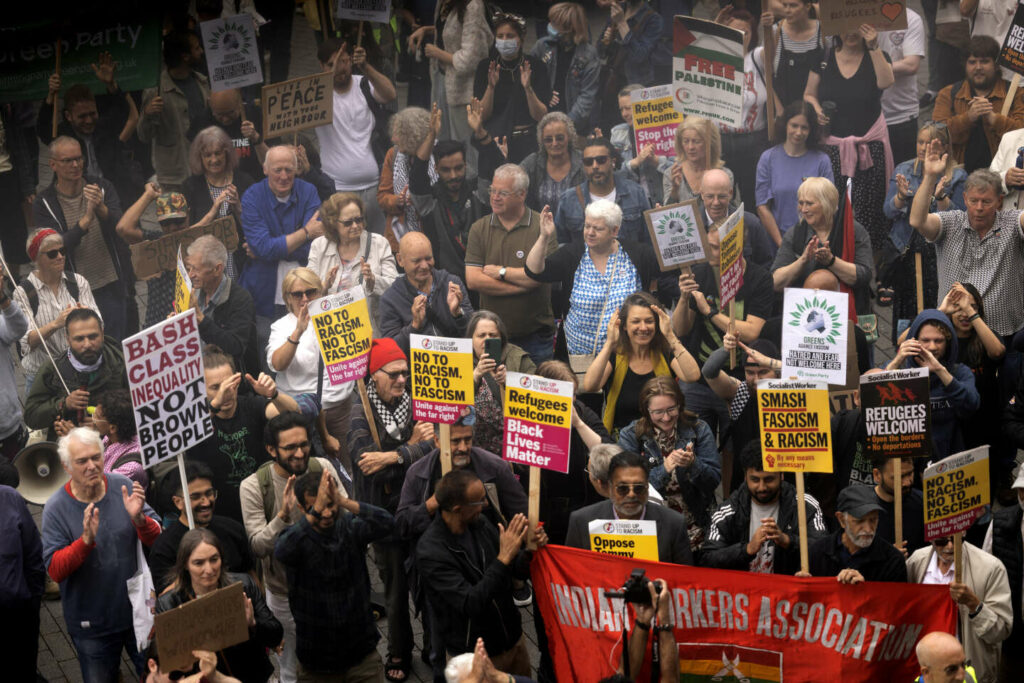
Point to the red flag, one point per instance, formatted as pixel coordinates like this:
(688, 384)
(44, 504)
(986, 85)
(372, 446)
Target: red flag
(849, 247)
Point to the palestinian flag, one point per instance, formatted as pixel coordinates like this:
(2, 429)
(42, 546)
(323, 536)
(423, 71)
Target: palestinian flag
(702, 663)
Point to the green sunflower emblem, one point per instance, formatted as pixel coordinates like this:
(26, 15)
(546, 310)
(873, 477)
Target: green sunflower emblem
(232, 36)
(676, 222)
(815, 317)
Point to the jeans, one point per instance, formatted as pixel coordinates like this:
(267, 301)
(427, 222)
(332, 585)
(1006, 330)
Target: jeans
(100, 657)
(540, 345)
(287, 661)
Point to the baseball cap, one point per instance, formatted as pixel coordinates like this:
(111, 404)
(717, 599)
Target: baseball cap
(858, 500)
(171, 206)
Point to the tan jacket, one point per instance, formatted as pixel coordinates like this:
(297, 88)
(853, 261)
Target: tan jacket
(951, 109)
(983, 635)
(168, 131)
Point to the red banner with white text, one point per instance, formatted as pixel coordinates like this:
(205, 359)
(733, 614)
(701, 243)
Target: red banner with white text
(732, 625)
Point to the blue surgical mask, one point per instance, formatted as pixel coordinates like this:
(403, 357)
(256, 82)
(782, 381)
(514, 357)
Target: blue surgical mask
(507, 48)
(552, 31)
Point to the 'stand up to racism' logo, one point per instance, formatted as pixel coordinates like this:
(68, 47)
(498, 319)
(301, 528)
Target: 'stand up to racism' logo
(816, 318)
(525, 382)
(609, 527)
(675, 223)
(426, 343)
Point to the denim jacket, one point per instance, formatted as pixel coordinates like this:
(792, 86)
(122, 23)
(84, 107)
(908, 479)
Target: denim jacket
(582, 81)
(643, 48)
(630, 197)
(901, 231)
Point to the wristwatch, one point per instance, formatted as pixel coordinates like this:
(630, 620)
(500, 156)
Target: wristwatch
(501, 273)
(401, 460)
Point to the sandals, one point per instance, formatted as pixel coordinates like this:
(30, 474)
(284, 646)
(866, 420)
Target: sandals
(396, 664)
(885, 296)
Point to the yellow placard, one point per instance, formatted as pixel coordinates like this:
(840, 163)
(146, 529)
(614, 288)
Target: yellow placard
(956, 491)
(342, 325)
(182, 286)
(637, 539)
(730, 234)
(442, 377)
(796, 433)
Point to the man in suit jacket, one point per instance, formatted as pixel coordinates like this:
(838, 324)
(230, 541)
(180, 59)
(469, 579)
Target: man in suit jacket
(627, 488)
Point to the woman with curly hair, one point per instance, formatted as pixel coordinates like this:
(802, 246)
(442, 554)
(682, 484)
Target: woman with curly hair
(556, 166)
(409, 127)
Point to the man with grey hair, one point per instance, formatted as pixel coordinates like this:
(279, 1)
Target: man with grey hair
(597, 471)
(90, 531)
(983, 245)
(856, 553)
(496, 253)
(717, 192)
(224, 310)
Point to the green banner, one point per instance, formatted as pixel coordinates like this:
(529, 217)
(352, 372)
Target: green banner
(28, 54)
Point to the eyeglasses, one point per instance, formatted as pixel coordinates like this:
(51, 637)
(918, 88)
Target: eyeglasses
(476, 503)
(397, 373)
(53, 253)
(624, 489)
(662, 412)
(551, 139)
(308, 293)
(504, 194)
(348, 223)
(210, 493)
(292, 447)
(599, 160)
(942, 542)
(935, 124)
(71, 161)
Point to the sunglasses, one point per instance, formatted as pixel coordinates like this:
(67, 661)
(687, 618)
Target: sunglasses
(942, 542)
(396, 374)
(599, 160)
(52, 253)
(358, 220)
(624, 489)
(308, 293)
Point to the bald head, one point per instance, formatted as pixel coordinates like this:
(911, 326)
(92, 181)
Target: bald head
(822, 279)
(416, 257)
(716, 193)
(941, 658)
(226, 106)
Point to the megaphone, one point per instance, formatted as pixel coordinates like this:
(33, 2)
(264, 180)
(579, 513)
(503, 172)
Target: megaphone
(41, 472)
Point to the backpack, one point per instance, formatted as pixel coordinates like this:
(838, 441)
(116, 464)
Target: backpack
(32, 294)
(380, 140)
(267, 484)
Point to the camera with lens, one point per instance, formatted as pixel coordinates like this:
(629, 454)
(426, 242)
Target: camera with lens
(635, 590)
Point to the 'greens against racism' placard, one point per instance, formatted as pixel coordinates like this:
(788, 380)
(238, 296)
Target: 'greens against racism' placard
(814, 331)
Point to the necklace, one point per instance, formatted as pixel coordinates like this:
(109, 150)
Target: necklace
(511, 69)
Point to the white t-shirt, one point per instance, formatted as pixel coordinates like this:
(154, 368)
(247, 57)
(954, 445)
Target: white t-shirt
(345, 153)
(899, 101)
(764, 561)
(993, 18)
(301, 374)
(755, 95)
(610, 196)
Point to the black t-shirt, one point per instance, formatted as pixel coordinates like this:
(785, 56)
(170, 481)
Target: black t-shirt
(977, 154)
(562, 62)
(248, 161)
(627, 408)
(234, 452)
(233, 540)
(510, 108)
(858, 99)
(913, 521)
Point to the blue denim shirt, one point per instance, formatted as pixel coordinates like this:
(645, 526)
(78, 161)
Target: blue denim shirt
(901, 231)
(641, 49)
(266, 223)
(630, 197)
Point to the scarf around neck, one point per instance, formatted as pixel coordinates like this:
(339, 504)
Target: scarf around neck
(396, 419)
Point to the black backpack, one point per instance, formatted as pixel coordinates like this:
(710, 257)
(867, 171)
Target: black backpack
(380, 140)
(32, 294)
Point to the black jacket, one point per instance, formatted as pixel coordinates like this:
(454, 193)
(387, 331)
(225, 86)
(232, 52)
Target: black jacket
(197, 193)
(725, 547)
(1013, 417)
(248, 661)
(1008, 547)
(232, 326)
(878, 562)
(471, 599)
(673, 537)
(395, 310)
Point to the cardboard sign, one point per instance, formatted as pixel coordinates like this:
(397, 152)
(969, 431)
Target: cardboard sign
(897, 411)
(182, 286)
(655, 119)
(305, 102)
(707, 70)
(364, 10)
(231, 54)
(814, 332)
(343, 332)
(956, 491)
(637, 539)
(677, 235)
(442, 377)
(796, 426)
(212, 622)
(164, 364)
(730, 235)
(538, 421)
(838, 17)
(1012, 55)
(152, 257)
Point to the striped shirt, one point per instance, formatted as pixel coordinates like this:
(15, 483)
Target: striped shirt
(50, 307)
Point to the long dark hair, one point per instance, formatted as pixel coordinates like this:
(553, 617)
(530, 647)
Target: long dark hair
(796, 109)
(662, 386)
(189, 542)
(975, 348)
(641, 300)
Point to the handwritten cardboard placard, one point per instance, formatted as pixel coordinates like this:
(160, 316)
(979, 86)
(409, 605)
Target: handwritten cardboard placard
(152, 257)
(212, 622)
(844, 16)
(300, 103)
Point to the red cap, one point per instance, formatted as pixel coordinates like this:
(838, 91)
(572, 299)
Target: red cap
(383, 351)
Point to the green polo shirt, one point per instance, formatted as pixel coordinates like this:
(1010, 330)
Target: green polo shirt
(490, 243)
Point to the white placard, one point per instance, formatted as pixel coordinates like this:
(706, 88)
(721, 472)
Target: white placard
(231, 54)
(815, 325)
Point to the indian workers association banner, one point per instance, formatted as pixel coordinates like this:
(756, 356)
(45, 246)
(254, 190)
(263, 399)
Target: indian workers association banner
(442, 377)
(763, 627)
(342, 325)
(814, 332)
(165, 377)
(956, 491)
(795, 421)
(538, 421)
(897, 411)
(707, 70)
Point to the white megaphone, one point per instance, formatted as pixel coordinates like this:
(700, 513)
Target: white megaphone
(41, 472)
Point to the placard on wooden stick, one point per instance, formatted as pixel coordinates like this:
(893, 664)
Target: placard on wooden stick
(305, 102)
(212, 622)
(677, 235)
(152, 257)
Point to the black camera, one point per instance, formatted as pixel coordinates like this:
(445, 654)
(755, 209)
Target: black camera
(635, 589)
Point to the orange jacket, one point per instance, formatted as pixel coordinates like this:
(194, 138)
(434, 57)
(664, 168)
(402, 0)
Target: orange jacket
(951, 109)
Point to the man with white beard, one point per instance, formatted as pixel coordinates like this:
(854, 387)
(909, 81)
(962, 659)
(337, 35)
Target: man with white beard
(856, 553)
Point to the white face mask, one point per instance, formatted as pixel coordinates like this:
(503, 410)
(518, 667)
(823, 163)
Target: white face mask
(507, 48)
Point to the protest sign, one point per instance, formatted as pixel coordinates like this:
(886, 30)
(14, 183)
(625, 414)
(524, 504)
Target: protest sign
(795, 426)
(655, 119)
(956, 491)
(1012, 54)
(800, 629)
(538, 421)
(841, 400)
(28, 52)
(896, 407)
(442, 377)
(152, 257)
(707, 70)
(838, 17)
(814, 333)
(677, 235)
(300, 103)
(730, 235)
(182, 286)
(212, 622)
(625, 538)
(364, 10)
(342, 325)
(231, 54)
(164, 364)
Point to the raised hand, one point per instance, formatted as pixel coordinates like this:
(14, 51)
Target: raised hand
(902, 186)
(511, 539)
(547, 222)
(475, 115)
(493, 74)
(525, 70)
(454, 299)
(359, 57)
(265, 386)
(870, 35)
(154, 107)
(302, 319)
(935, 159)
(613, 331)
(329, 282)
(419, 312)
(90, 524)
(664, 323)
(288, 500)
(134, 502)
(502, 144)
(554, 99)
(104, 69)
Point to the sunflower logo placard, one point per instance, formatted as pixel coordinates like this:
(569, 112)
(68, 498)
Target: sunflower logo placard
(814, 335)
(231, 53)
(677, 235)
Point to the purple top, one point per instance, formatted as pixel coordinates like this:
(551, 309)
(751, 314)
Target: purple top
(778, 177)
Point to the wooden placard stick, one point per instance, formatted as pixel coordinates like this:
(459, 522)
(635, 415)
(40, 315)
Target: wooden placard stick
(919, 278)
(801, 515)
(769, 60)
(446, 449)
(533, 508)
(732, 331)
(897, 500)
(958, 557)
(359, 35)
(1011, 93)
(56, 96)
(367, 411)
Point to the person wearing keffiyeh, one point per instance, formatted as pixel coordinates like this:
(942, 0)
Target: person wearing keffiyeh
(380, 461)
